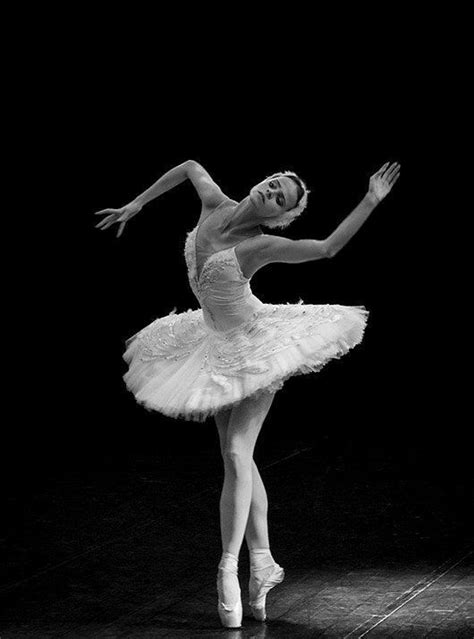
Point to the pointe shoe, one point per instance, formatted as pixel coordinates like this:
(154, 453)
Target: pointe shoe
(230, 615)
(258, 590)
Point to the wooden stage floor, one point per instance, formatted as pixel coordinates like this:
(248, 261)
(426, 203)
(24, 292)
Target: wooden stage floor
(131, 549)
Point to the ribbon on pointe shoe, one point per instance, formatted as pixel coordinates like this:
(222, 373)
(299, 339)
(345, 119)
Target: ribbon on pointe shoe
(275, 577)
(261, 560)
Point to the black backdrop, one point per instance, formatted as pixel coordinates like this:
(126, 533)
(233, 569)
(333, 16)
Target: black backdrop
(100, 132)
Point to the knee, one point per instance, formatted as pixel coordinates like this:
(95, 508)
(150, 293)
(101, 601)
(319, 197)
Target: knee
(239, 461)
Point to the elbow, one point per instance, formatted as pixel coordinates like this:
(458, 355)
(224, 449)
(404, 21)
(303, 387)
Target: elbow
(189, 167)
(330, 250)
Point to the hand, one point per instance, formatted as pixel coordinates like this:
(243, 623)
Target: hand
(114, 216)
(381, 182)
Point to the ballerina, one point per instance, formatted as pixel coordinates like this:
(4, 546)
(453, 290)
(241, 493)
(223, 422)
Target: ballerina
(229, 358)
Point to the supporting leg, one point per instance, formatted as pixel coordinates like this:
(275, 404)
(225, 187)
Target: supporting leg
(256, 531)
(244, 426)
(238, 431)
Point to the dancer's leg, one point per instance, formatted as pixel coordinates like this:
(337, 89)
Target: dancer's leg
(245, 422)
(256, 532)
(222, 422)
(238, 431)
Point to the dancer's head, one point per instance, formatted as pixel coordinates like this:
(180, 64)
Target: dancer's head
(279, 199)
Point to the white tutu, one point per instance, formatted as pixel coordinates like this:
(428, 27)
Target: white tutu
(191, 365)
(177, 366)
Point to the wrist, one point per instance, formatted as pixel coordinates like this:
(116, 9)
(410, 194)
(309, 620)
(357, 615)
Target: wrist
(371, 199)
(138, 201)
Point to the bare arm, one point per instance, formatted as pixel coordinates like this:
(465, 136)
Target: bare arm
(349, 227)
(169, 180)
(281, 249)
(380, 185)
(209, 192)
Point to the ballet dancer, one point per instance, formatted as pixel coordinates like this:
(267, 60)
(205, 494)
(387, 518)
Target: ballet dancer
(229, 358)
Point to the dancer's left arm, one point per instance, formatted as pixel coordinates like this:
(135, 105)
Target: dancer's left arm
(380, 185)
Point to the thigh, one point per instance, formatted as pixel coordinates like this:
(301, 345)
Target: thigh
(245, 422)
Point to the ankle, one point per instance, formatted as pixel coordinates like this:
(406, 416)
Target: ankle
(229, 562)
(260, 558)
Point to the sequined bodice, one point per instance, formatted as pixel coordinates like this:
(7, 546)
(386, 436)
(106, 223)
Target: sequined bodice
(221, 288)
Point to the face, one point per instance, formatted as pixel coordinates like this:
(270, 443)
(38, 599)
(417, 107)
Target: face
(274, 196)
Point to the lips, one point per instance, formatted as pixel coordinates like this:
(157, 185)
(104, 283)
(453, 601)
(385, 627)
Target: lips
(262, 196)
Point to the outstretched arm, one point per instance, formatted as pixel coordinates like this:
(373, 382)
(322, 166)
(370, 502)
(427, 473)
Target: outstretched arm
(209, 192)
(271, 248)
(380, 185)
(167, 181)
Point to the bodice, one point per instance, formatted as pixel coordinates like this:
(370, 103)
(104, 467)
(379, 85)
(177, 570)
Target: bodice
(221, 288)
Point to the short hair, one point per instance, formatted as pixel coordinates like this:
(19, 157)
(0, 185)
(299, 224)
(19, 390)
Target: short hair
(286, 218)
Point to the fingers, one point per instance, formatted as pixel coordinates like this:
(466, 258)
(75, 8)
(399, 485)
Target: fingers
(104, 211)
(112, 219)
(109, 224)
(394, 179)
(381, 170)
(388, 170)
(392, 172)
(120, 231)
(106, 222)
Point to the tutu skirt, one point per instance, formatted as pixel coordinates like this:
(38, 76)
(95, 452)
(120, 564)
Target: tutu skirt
(178, 366)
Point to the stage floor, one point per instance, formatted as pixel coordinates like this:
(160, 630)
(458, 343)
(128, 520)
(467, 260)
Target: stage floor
(131, 549)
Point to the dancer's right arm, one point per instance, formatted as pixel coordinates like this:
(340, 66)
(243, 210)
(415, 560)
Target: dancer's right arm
(209, 192)
(167, 181)
(207, 189)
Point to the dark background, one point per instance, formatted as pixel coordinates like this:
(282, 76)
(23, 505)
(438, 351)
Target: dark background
(369, 462)
(99, 127)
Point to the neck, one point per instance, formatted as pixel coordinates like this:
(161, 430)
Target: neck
(243, 221)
